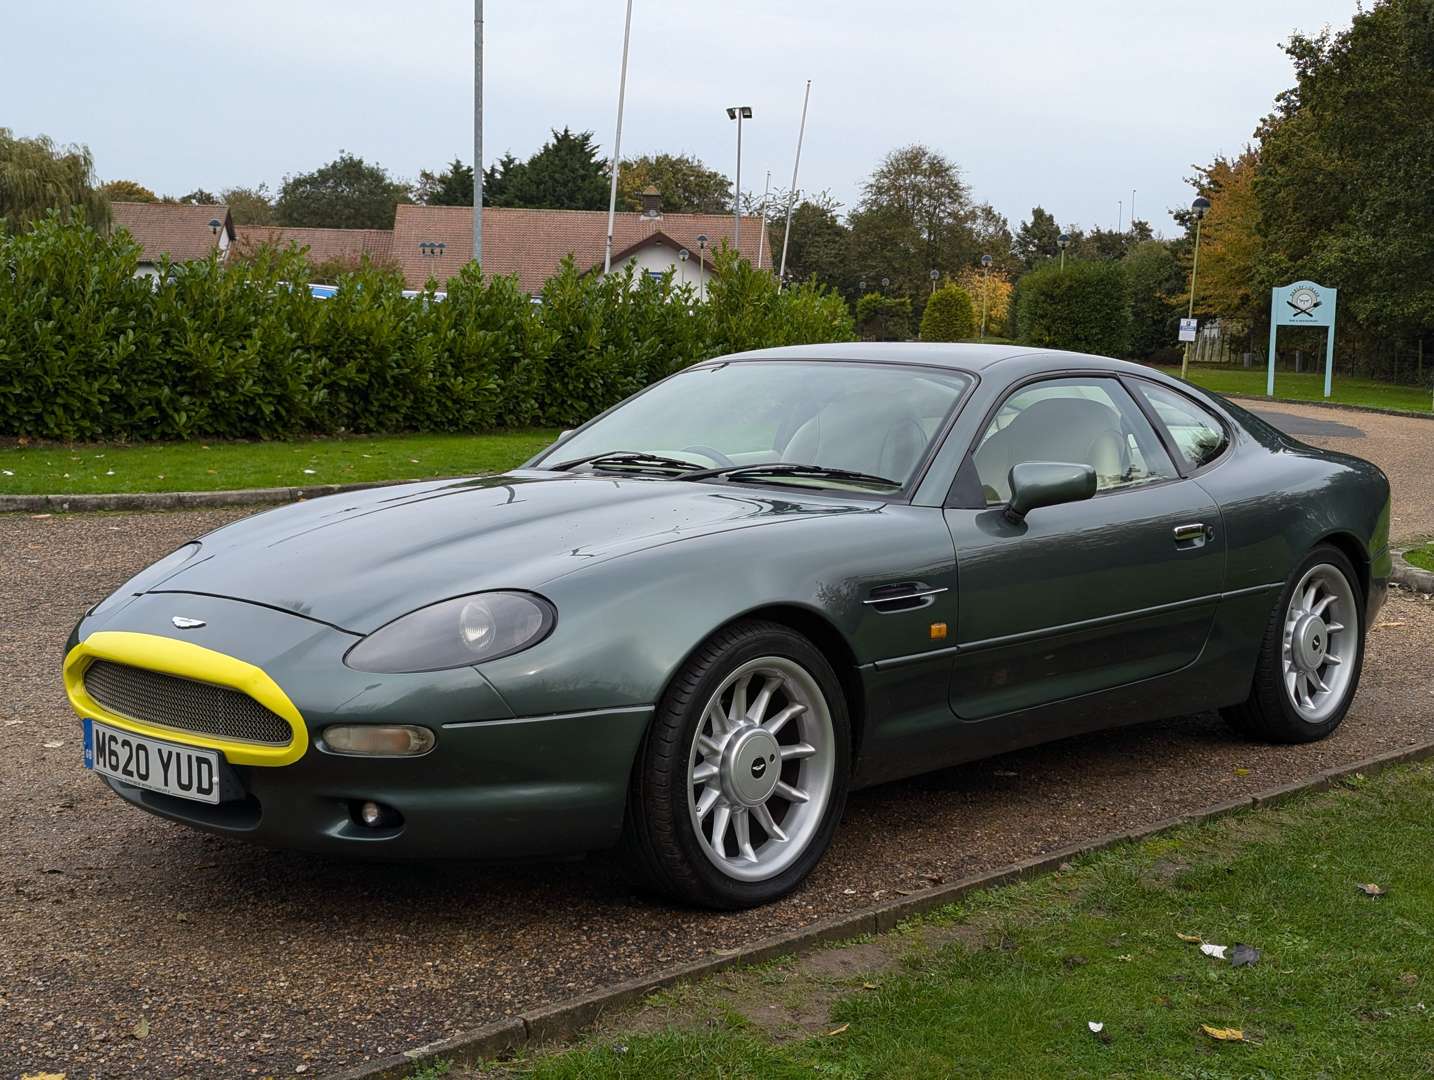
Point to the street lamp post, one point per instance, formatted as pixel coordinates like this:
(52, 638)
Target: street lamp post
(702, 264)
(985, 289)
(1063, 241)
(617, 142)
(682, 256)
(478, 132)
(738, 113)
(1200, 207)
(935, 277)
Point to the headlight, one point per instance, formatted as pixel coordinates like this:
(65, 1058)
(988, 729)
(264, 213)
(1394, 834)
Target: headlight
(455, 633)
(147, 578)
(375, 740)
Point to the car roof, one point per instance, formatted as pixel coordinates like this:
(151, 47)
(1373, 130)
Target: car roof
(969, 357)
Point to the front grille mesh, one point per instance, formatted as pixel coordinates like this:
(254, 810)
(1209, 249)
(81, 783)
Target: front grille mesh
(184, 704)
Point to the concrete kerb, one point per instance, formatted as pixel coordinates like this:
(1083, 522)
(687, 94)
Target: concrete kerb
(1411, 577)
(553, 1023)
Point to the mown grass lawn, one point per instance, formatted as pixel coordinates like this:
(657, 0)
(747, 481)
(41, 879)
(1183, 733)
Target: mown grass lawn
(1344, 985)
(213, 466)
(1308, 386)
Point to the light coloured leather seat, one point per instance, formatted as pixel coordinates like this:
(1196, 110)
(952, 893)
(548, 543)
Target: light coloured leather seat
(1075, 430)
(856, 433)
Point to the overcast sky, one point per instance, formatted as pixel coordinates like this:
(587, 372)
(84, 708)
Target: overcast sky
(1065, 104)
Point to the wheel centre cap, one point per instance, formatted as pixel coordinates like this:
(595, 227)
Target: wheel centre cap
(751, 766)
(1311, 642)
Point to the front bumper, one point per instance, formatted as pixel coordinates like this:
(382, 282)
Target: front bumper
(494, 785)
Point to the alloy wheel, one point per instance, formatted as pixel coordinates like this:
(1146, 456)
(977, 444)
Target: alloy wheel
(760, 768)
(1320, 643)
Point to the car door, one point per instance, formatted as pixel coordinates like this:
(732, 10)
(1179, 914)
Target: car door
(1086, 596)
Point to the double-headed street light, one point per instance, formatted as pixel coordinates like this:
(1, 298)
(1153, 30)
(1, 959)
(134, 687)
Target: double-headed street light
(1199, 208)
(1063, 241)
(738, 113)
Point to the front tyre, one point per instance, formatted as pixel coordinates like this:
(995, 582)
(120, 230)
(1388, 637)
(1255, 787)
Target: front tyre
(743, 775)
(1311, 656)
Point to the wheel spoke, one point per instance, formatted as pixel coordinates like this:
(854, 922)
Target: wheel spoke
(720, 820)
(790, 793)
(1314, 677)
(710, 747)
(769, 826)
(763, 700)
(704, 772)
(797, 751)
(737, 712)
(718, 719)
(1334, 627)
(707, 802)
(1324, 603)
(742, 827)
(1330, 658)
(1306, 698)
(776, 723)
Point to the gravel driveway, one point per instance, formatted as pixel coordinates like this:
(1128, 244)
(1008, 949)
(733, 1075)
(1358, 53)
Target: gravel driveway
(132, 947)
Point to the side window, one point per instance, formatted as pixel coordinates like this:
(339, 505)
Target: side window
(1197, 434)
(1083, 421)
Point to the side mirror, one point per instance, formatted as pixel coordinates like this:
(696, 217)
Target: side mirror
(1047, 483)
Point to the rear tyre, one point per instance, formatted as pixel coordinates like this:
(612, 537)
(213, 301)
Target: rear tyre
(743, 775)
(1311, 655)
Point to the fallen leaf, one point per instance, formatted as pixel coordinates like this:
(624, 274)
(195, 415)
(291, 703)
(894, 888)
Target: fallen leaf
(868, 986)
(141, 1030)
(1223, 1034)
(1244, 955)
(1369, 889)
(1217, 951)
(8, 472)
(1193, 939)
(838, 1031)
(42, 1076)
(1408, 978)
(1242, 772)
(1096, 1026)
(1125, 958)
(40, 517)
(1389, 625)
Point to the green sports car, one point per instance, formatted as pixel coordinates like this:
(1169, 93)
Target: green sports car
(694, 624)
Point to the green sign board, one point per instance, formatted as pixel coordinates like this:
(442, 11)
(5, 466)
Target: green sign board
(1303, 303)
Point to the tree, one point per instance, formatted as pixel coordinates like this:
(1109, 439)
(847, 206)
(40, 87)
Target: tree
(37, 176)
(914, 216)
(127, 191)
(948, 315)
(819, 245)
(687, 185)
(451, 187)
(566, 174)
(1232, 280)
(347, 193)
(249, 205)
(1342, 184)
(994, 289)
(1035, 240)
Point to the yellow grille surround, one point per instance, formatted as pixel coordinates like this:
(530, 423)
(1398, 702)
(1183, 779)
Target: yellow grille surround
(187, 661)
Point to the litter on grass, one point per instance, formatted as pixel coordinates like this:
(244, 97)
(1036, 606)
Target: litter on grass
(1223, 1034)
(1217, 951)
(1244, 955)
(1096, 1026)
(1371, 889)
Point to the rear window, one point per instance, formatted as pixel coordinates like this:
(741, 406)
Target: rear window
(1197, 433)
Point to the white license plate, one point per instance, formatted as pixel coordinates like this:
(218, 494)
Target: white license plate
(167, 767)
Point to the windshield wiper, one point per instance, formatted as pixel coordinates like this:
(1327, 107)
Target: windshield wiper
(638, 458)
(793, 469)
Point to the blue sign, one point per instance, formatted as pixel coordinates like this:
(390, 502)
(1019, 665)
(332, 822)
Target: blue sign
(1303, 303)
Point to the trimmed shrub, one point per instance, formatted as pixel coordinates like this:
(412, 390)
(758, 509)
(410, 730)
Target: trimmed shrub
(883, 318)
(948, 315)
(1084, 308)
(89, 351)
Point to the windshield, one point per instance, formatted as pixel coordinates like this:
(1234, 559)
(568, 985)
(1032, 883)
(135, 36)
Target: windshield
(876, 419)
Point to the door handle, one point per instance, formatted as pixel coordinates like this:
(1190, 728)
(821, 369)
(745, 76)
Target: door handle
(1193, 534)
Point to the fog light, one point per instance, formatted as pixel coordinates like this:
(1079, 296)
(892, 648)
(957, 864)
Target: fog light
(375, 815)
(389, 740)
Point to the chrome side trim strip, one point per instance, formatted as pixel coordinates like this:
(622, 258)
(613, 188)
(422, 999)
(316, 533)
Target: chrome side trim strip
(619, 710)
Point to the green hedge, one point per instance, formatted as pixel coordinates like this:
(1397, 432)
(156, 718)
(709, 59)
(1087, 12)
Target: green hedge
(89, 351)
(883, 318)
(1084, 307)
(948, 315)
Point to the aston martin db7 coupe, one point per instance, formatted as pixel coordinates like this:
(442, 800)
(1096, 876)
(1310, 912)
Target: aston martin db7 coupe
(694, 624)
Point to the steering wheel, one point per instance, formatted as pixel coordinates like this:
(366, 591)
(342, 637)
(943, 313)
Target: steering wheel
(708, 451)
